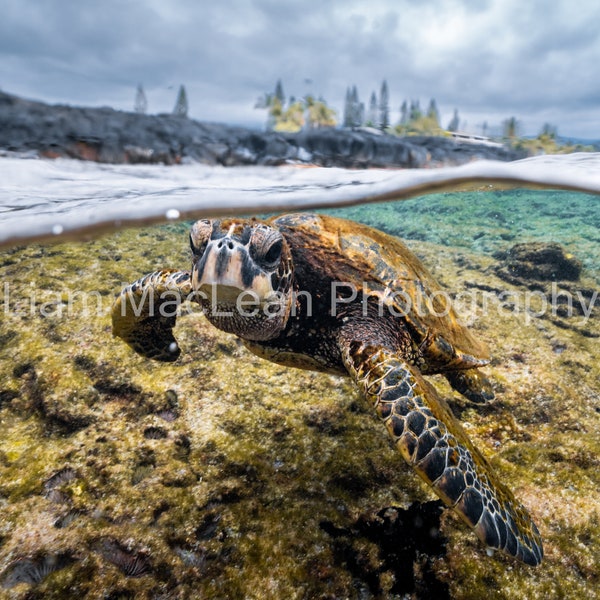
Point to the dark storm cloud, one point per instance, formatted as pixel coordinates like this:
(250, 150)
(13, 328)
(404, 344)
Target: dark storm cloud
(491, 59)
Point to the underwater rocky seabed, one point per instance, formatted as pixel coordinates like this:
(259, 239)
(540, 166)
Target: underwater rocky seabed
(224, 476)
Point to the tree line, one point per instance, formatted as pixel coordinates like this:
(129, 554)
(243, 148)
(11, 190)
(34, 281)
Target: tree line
(307, 113)
(292, 115)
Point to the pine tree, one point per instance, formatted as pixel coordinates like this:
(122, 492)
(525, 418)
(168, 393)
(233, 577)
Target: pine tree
(141, 104)
(415, 110)
(511, 128)
(549, 131)
(181, 106)
(373, 117)
(455, 122)
(384, 107)
(360, 113)
(433, 113)
(279, 92)
(358, 110)
(404, 113)
(354, 109)
(348, 108)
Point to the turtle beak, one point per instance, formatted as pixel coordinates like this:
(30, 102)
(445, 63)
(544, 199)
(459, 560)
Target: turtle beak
(225, 271)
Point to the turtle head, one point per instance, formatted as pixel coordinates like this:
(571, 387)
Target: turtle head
(242, 273)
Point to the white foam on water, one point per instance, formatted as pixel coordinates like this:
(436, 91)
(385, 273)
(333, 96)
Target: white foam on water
(42, 199)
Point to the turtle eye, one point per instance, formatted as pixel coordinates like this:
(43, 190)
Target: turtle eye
(266, 246)
(273, 254)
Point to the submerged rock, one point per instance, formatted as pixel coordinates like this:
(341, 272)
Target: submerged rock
(554, 277)
(538, 261)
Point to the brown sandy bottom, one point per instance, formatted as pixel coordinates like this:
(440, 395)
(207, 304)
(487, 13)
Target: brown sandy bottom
(224, 476)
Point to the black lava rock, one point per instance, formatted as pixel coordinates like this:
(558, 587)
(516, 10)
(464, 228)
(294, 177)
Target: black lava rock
(111, 136)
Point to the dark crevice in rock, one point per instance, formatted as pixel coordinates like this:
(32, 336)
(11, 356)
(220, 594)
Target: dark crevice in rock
(407, 542)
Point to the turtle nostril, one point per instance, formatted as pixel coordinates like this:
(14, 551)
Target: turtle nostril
(222, 243)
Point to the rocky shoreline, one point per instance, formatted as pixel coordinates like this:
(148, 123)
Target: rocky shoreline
(110, 136)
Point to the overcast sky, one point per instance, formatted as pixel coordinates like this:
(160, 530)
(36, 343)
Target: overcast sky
(537, 60)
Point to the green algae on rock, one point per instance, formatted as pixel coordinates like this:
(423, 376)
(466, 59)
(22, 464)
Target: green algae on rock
(283, 502)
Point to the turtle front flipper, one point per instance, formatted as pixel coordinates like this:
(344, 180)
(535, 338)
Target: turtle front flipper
(144, 313)
(472, 384)
(432, 441)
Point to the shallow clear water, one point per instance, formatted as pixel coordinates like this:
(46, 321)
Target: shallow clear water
(223, 475)
(490, 221)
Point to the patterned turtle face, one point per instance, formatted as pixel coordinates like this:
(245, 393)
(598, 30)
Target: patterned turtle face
(242, 273)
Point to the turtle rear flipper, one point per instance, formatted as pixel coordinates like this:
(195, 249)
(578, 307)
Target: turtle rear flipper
(144, 313)
(432, 441)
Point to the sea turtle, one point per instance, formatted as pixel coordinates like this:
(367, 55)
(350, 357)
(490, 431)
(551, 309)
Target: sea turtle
(324, 293)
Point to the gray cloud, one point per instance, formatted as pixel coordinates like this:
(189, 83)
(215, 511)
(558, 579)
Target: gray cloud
(491, 59)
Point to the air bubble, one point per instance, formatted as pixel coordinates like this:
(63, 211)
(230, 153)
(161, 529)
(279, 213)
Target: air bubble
(173, 347)
(57, 229)
(172, 213)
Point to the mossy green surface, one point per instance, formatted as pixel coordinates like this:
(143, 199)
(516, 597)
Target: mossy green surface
(224, 476)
